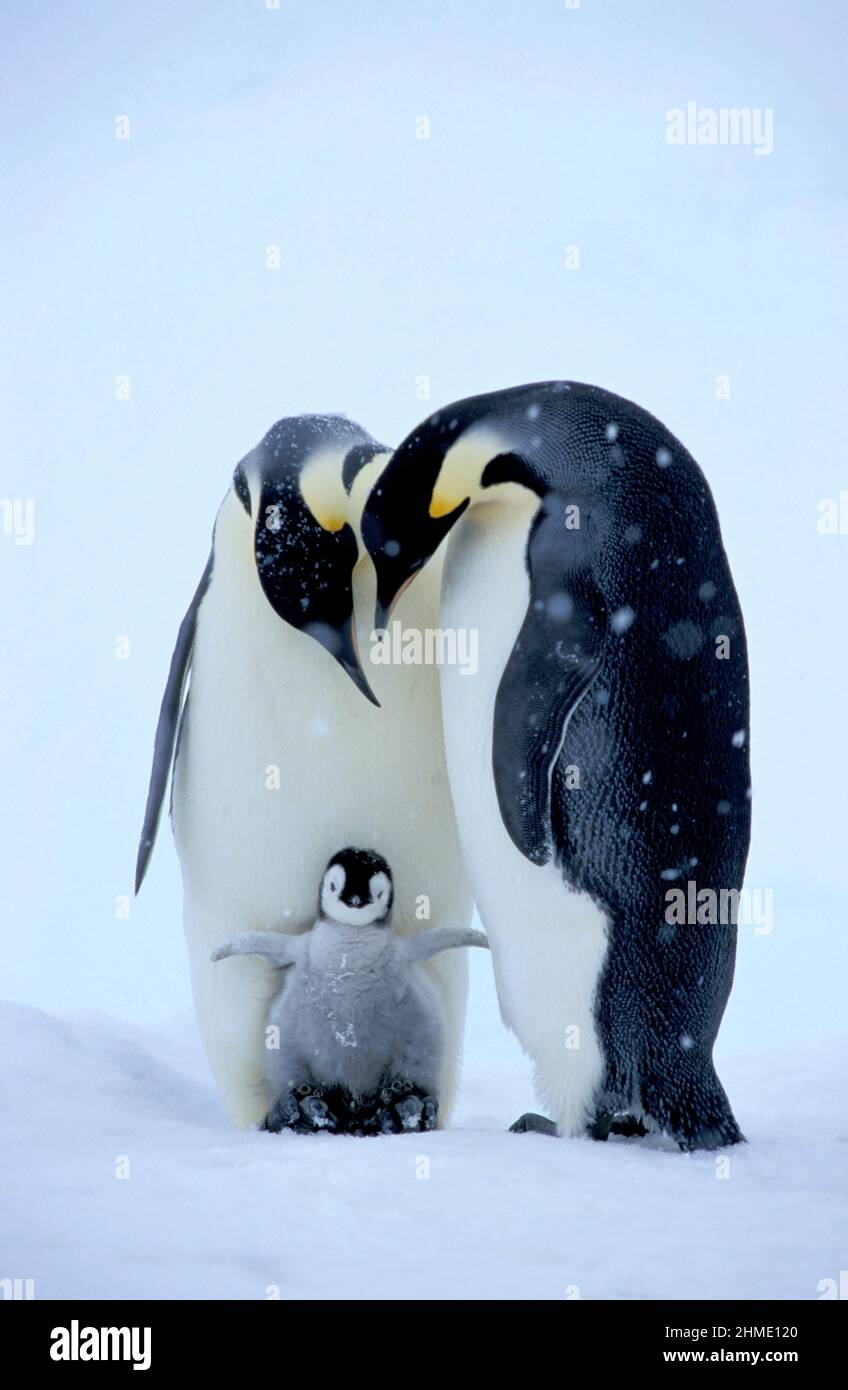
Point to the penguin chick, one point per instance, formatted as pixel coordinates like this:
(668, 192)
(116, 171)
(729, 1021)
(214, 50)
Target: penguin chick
(356, 1032)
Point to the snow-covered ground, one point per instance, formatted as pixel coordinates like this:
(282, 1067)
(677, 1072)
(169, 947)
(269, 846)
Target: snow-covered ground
(210, 1212)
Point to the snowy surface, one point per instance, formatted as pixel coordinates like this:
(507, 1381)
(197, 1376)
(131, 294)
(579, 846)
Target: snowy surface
(210, 1212)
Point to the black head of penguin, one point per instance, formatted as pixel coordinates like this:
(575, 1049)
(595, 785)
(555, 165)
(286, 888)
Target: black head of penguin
(305, 550)
(412, 507)
(357, 889)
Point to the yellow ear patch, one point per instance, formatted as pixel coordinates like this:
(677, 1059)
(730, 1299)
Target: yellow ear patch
(442, 503)
(322, 489)
(462, 469)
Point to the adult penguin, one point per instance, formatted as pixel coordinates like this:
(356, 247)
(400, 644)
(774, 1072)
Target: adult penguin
(599, 761)
(278, 759)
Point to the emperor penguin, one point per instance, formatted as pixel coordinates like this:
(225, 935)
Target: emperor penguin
(599, 762)
(279, 749)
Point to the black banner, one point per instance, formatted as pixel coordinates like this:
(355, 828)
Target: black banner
(156, 1338)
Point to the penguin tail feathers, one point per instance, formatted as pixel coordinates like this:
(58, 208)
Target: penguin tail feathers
(693, 1109)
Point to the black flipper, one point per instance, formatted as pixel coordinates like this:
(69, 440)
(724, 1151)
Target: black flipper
(557, 655)
(166, 729)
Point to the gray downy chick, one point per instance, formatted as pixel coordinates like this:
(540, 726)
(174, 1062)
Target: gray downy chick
(354, 1011)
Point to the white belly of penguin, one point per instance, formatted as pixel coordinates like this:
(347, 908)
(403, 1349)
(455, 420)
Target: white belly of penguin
(548, 942)
(282, 763)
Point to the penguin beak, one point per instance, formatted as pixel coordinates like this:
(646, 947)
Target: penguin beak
(346, 652)
(360, 680)
(395, 574)
(388, 595)
(384, 605)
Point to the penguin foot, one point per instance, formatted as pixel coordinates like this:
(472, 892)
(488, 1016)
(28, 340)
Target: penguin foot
(400, 1107)
(530, 1123)
(416, 1112)
(304, 1111)
(284, 1114)
(608, 1122)
(628, 1126)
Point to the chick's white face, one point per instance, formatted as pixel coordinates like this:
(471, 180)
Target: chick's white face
(340, 903)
